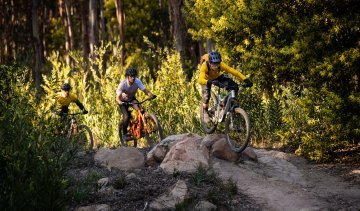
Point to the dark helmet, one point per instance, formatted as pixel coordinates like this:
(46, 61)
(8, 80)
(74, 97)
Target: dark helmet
(131, 72)
(66, 87)
(214, 57)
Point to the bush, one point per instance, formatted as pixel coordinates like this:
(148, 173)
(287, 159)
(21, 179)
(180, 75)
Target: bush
(32, 165)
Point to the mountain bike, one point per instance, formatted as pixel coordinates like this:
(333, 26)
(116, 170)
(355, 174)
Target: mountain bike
(143, 125)
(79, 134)
(224, 107)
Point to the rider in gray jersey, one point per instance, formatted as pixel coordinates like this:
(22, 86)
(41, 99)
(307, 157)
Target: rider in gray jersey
(125, 93)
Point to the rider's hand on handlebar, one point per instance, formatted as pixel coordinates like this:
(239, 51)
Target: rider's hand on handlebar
(210, 82)
(125, 103)
(84, 111)
(216, 83)
(248, 83)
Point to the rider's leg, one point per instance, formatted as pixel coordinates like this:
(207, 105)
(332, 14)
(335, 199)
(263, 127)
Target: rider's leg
(205, 101)
(205, 96)
(126, 118)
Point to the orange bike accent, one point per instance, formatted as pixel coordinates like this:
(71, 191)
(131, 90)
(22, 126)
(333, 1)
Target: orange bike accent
(138, 123)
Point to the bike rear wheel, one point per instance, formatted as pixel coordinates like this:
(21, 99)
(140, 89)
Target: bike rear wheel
(237, 129)
(82, 137)
(209, 126)
(154, 134)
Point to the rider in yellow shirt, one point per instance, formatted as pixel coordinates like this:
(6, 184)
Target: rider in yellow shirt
(64, 98)
(211, 73)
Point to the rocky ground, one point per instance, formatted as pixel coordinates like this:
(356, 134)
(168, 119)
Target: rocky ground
(278, 181)
(135, 190)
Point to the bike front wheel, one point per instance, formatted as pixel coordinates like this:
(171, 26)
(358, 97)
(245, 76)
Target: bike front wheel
(237, 129)
(82, 137)
(209, 123)
(153, 130)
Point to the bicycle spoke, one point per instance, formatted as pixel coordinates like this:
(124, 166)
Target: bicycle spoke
(152, 129)
(237, 129)
(209, 123)
(82, 138)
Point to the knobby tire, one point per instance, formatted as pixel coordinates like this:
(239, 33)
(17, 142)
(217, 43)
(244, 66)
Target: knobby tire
(156, 135)
(83, 138)
(209, 127)
(237, 129)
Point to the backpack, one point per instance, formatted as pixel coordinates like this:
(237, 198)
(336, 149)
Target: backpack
(205, 58)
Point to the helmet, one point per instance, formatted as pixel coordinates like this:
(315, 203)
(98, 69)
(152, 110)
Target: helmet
(66, 87)
(131, 72)
(214, 57)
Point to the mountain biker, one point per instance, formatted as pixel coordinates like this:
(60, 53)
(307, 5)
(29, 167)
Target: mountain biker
(211, 73)
(64, 98)
(125, 93)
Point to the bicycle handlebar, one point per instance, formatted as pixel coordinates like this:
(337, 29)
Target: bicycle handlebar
(138, 103)
(221, 85)
(74, 114)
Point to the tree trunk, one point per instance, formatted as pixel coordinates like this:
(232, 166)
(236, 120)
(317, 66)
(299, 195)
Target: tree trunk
(103, 35)
(37, 45)
(210, 45)
(120, 18)
(84, 31)
(93, 30)
(64, 14)
(69, 31)
(177, 21)
(201, 47)
(102, 21)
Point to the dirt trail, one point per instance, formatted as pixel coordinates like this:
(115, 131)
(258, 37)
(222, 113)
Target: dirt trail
(279, 181)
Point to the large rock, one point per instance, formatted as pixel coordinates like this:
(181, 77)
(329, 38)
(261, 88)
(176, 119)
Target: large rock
(96, 207)
(209, 140)
(186, 156)
(158, 153)
(124, 158)
(175, 194)
(205, 206)
(222, 150)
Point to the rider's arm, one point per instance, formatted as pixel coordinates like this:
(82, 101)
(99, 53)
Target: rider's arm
(74, 99)
(203, 78)
(119, 92)
(118, 98)
(232, 71)
(79, 104)
(148, 93)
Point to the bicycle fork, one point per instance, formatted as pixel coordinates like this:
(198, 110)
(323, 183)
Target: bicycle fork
(221, 110)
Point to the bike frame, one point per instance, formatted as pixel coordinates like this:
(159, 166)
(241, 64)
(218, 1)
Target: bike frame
(138, 122)
(73, 123)
(222, 110)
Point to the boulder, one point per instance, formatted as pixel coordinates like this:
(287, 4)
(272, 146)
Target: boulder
(96, 207)
(123, 158)
(186, 155)
(222, 150)
(158, 153)
(174, 195)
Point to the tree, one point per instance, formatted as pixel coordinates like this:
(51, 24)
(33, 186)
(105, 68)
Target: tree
(69, 39)
(37, 45)
(120, 19)
(84, 10)
(178, 33)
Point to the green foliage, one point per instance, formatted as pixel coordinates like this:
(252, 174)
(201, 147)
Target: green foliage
(33, 163)
(120, 182)
(177, 104)
(312, 45)
(82, 188)
(313, 124)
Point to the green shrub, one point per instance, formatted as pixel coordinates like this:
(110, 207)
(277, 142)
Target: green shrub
(32, 175)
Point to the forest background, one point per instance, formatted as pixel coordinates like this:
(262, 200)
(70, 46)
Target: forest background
(302, 55)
